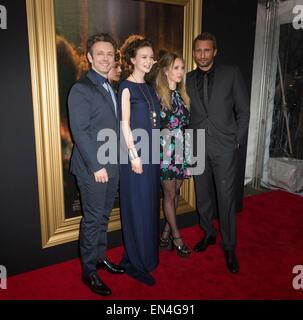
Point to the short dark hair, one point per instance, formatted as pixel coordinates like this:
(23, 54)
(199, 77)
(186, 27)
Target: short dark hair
(203, 37)
(100, 37)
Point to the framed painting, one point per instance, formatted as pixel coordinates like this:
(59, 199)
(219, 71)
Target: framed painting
(58, 31)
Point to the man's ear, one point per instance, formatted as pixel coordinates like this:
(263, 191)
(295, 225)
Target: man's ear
(215, 53)
(89, 57)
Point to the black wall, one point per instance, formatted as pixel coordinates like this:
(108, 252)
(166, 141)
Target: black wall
(233, 22)
(20, 240)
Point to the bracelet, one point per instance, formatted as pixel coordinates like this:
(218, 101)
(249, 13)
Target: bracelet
(132, 153)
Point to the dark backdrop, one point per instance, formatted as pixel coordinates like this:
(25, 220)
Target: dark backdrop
(20, 239)
(234, 24)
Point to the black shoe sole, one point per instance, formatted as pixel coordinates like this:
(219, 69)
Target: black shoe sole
(211, 243)
(100, 266)
(233, 271)
(102, 293)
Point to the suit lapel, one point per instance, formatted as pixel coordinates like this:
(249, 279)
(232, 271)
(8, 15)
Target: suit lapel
(196, 92)
(108, 97)
(103, 91)
(214, 89)
(215, 85)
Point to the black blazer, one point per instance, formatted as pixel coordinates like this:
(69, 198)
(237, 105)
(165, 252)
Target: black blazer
(227, 115)
(91, 109)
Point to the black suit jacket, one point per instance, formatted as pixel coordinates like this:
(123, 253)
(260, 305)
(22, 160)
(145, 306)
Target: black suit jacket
(227, 115)
(91, 109)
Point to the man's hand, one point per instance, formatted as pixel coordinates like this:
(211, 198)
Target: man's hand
(101, 176)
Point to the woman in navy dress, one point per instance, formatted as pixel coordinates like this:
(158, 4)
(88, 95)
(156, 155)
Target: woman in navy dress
(139, 178)
(175, 151)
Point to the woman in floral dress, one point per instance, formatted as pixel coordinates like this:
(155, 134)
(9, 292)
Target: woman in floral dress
(174, 165)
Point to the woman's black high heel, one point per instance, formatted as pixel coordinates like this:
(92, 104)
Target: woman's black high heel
(182, 250)
(166, 243)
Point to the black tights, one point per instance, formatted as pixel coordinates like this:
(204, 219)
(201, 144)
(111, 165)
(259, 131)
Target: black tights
(171, 190)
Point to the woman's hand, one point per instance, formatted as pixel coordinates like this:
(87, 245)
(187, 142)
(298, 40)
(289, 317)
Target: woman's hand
(137, 166)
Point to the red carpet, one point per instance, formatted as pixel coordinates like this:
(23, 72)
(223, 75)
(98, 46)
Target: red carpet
(270, 244)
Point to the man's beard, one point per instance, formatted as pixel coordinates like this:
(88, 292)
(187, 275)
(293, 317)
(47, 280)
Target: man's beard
(205, 64)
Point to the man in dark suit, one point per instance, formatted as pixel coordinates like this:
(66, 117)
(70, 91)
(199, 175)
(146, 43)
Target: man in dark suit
(220, 106)
(93, 108)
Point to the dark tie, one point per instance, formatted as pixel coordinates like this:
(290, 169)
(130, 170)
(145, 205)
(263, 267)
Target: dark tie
(205, 90)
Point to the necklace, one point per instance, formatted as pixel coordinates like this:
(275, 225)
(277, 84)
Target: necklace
(151, 107)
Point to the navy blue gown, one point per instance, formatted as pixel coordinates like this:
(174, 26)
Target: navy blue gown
(140, 194)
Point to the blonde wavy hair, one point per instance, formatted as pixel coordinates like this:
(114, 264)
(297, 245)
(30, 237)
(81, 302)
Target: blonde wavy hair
(162, 87)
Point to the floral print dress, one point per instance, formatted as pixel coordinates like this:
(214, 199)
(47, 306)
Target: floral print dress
(175, 145)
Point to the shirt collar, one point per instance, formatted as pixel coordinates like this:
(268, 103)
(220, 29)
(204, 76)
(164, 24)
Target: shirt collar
(208, 72)
(99, 78)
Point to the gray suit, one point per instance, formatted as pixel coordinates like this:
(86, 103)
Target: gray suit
(91, 109)
(225, 120)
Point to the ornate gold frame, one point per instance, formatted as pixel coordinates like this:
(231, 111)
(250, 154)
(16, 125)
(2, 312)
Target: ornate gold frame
(55, 228)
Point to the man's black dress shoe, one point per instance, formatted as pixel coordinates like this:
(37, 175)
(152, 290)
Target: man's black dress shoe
(97, 285)
(231, 261)
(110, 267)
(204, 243)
